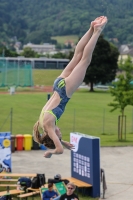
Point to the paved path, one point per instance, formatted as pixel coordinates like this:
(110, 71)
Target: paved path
(116, 161)
(118, 165)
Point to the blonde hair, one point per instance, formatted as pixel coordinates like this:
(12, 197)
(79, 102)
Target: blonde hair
(72, 184)
(42, 139)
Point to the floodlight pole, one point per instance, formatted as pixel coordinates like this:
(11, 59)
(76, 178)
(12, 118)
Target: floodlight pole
(6, 73)
(17, 73)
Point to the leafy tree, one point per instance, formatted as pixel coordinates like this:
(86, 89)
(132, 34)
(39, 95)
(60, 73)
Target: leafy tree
(103, 66)
(58, 46)
(59, 55)
(7, 53)
(123, 90)
(70, 55)
(29, 53)
(38, 37)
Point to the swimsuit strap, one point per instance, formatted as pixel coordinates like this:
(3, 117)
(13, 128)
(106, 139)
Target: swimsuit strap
(51, 112)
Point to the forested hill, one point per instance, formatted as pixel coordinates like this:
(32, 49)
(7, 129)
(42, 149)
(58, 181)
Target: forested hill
(37, 20)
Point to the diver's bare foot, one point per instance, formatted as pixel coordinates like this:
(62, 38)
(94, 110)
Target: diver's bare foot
(100, 26)
(98, 20)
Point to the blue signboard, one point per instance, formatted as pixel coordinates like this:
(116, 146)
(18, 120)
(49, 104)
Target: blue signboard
(85, 160)
(5, 151)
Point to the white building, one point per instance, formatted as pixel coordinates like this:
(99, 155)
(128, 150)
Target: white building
(41, 48)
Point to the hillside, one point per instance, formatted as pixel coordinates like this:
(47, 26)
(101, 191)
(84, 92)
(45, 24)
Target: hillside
(36, 21)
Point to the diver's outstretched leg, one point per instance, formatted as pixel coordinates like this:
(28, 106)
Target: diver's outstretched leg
(74, 80)
(80, 48)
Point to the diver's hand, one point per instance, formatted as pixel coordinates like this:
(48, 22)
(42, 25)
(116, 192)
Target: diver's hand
(67, 145)
(47, 154)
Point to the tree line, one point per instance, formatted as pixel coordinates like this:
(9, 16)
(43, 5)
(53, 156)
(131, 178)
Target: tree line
(36, 21)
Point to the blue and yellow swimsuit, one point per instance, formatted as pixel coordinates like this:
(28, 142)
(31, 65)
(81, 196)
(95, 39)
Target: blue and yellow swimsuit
(60, 87)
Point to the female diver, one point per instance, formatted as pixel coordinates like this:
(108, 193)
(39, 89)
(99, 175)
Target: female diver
(64, 86)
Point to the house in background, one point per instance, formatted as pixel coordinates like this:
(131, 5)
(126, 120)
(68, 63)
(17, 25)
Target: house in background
(125, 51)
(41, 48)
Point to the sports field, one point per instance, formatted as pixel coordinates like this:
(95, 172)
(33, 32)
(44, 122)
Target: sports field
(86, 113)
(45, 77)
(64, 39)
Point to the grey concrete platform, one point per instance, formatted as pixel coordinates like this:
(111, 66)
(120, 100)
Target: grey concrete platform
(116, 161)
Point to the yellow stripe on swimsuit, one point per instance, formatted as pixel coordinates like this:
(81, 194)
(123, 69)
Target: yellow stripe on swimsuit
(51, 112)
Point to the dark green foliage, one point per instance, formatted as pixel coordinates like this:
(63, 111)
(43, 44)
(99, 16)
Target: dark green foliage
(59, 55)
(7, 53)
(123, 91)
(103, 66)
(37, 21)
(29, 53)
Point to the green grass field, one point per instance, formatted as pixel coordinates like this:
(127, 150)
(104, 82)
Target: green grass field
(45, 77)
(63, 39)
(86, 113)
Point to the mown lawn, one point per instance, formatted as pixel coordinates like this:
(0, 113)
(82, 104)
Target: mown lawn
(45, 77)
(63, 39)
